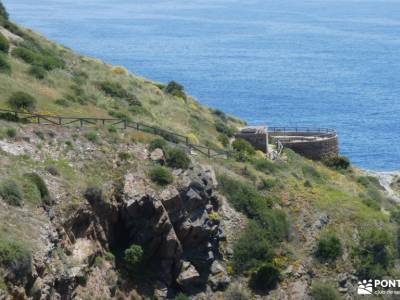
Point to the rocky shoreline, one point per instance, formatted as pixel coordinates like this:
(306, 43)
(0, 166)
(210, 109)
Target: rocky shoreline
(389, 181)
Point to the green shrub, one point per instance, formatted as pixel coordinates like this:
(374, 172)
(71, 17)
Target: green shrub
(323, 291)
(26, 55)
(329, 247)
(266, 166)
(371, 203)
(268, 183)
(113, 89)
(175, 89)
(38, 72)
(124, 155)
(11, 132)
(53, 170)
(243, 196)
(22, 100)
(120, 115)
(161, 175)
(375, 253)
(13, 253)
(109, 256)
(169, 137)
(158, 143)
(225, 129)
(312, 173)
(265, 278)
(242, 145)
(39, 134)
(337, 162)
(4, 44)
(41, 186)
(112, 129)
(177, 158)
(134, 257)
(253, 248)
(220, 114)
(3, 12)
(223, 139)
(274, 222)
(62, 102)
(11, 192)
(368, 181)
(181, 296)
(395, 215)
(307, 184)
(49, 62)
(91, 136)
(38, 57)
(5, 67)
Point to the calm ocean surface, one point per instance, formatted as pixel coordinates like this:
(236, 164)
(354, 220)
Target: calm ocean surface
(320, 63)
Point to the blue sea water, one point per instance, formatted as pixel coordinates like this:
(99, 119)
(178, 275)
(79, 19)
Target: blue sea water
(322, 63)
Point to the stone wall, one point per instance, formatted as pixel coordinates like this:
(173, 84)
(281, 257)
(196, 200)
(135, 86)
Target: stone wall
(258, 140)
(316, 149)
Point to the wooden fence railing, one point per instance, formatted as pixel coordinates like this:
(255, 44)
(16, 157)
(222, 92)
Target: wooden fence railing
(173, 137)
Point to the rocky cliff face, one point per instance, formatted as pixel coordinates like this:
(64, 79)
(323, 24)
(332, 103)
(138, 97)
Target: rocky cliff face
(173, 225)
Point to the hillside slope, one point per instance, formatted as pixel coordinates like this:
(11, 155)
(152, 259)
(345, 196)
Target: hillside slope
(100, 213)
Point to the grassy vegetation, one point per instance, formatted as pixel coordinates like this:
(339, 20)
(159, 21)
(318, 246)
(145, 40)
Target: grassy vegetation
(323, 291)
(329, 247)
(11, 192)
(5, 66)
(12, 251)
(41, 187)
(161, 175)
(4, 44)
(70, 84)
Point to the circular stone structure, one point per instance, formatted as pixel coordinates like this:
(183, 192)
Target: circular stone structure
(313, 143)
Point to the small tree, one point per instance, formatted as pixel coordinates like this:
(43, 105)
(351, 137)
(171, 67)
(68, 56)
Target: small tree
(329, 247)
(22, 100)
(175, 89)
(134, 257)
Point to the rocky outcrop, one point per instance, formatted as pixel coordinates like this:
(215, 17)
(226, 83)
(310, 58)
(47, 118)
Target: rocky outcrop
(174, 227)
